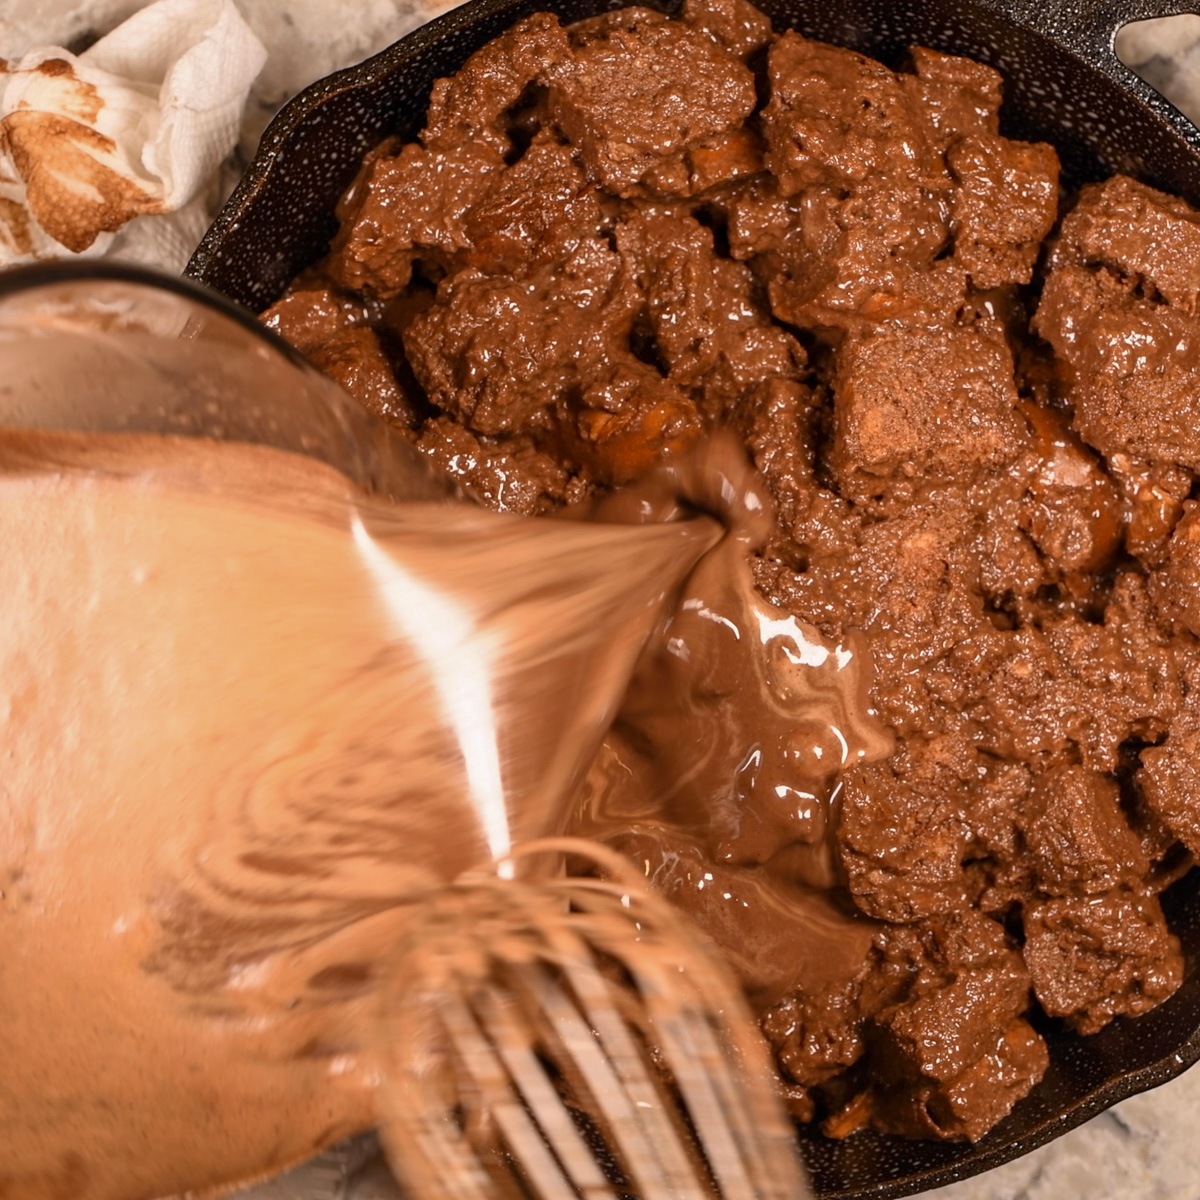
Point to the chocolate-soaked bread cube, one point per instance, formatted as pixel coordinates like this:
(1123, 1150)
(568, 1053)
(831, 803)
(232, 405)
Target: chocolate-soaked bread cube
(775, 420)
(1076, 836)
(1169, 778)
(994, 800)
(758, 218)
(626, 418)
(414, 203)
(1095, 957)
(1131, 366)
(1074, 691)
(1011, 569)
(901, 841)
(853, 262)
(935, 1010)
(312, 312)
(1136, 231)
(1005, 203)
(938, 1032)
(404, 204)
(839, 118)
(736, 24)
(817, 1035)
(1176, 583)
(497, 352)
(475, 104)
(938, 402)
(956, 95)
(722, 158)
(1153, 496)
(332, 329)
(1071, 509)
(532, 212)
(908, 582)
(354, 358)
(512, 476)
(707, 330)
(490, 353)
(918, 958)
(967, 1106)
(948, 1051)
(639, 89)
(1170, 781)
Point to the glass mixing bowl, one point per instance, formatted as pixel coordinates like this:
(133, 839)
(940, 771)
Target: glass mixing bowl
(112, 348)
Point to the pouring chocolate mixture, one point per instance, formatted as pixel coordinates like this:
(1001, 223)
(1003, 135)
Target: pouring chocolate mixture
(253, 717)
(974, 402)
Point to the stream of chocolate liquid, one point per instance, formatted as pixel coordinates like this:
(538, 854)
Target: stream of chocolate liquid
(250, 716)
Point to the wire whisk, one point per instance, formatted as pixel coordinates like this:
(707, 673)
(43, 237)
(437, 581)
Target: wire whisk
(570, 1037)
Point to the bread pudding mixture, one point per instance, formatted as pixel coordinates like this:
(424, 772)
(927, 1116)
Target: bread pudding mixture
(977, 408)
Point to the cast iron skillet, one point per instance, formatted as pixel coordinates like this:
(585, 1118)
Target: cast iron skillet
(1065, 85)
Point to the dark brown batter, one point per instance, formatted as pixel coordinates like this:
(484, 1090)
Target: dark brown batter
(940, 770)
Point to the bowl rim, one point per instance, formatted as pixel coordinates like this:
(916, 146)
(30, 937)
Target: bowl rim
(30, 277)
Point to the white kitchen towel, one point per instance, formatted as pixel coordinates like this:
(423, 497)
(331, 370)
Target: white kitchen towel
(127, 136)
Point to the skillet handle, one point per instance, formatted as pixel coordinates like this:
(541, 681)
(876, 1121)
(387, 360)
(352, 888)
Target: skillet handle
(1087, 28)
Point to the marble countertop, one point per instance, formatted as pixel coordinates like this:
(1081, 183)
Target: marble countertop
(1143, 1149)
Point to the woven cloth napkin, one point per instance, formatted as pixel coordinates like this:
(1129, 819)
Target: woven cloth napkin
(91, 145)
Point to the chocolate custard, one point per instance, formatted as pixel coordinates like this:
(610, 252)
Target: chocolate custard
(938, 772)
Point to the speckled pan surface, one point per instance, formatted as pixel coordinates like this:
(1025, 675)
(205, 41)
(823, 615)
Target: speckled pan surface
(1064, 85)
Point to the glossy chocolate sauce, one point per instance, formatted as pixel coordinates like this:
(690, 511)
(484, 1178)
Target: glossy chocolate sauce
(720, 776)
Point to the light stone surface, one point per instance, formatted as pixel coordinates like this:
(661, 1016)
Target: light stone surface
(1144, 1149)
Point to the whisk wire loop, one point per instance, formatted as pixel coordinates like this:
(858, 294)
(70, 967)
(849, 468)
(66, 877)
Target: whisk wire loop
(570, 1038)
